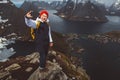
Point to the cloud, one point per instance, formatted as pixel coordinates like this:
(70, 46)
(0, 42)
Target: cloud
(17, 0)
(106, 2)
(33, 0)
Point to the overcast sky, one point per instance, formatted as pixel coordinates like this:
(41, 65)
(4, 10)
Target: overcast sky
(107, 2)
(34, 0)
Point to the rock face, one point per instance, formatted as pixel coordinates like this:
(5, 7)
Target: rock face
(58, 4)
(102, 7)
(26, 68)
(77, 11)
(12, 20)
(54, 71)
(115, 8)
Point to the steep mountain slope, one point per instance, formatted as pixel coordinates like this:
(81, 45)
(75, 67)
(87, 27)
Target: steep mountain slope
(12, 19)
(115, 8)
(82, 11)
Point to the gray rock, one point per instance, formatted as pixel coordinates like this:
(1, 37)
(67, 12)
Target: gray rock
(33, 56)
(14, 66)
(29, 69)
(3, 74)
(54, 71)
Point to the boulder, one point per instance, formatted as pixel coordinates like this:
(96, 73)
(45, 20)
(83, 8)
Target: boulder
(21, 68)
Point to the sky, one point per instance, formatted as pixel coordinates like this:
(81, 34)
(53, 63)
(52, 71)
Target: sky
(34, 0)
(107, 2)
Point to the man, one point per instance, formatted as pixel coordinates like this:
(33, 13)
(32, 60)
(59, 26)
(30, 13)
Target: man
(43, 39)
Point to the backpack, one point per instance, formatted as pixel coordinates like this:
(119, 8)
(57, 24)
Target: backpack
(33, 30)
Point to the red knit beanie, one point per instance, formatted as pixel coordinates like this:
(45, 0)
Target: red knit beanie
(44, 12)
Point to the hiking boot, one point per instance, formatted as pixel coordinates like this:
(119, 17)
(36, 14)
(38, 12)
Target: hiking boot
(43, 69)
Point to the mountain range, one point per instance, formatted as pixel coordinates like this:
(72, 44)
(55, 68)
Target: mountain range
(85, 11)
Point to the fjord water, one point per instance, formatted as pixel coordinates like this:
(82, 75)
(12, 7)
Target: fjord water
(63, 26)
(101, 61)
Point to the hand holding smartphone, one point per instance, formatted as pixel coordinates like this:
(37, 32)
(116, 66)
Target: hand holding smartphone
(29, 14)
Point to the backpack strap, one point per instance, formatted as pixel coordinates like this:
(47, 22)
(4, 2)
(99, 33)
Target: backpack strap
(37, 24)
(32, 33)
(33, 30)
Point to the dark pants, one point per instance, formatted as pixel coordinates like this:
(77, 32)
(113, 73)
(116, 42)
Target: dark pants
(42, 47)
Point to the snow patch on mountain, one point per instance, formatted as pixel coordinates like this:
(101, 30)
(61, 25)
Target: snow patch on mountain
(5, 53)
(4, 1)
(4, 21)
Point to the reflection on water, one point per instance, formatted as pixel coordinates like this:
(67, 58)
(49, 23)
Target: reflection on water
(114, 19)
(101, 60)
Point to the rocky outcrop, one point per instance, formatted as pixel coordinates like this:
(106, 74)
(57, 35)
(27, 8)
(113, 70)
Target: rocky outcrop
(77, 11)
(58, 4)
(54, 71)
(113, 36)
(26, 68)
(71, 39)
(60, 43)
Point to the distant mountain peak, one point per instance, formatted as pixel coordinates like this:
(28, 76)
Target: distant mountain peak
(115, 8)
(78, 11)
(4, 1)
